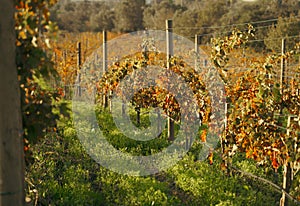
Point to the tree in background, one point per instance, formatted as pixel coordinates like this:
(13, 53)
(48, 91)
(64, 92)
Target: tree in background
(285, 27)
(156, 14)
(72, 16)
(83, 15)
(190, 17)
(129, 15)
(104, 18)
(241, 12)
(200, 17)
(65, 15)
(286, 8)
(185, 23)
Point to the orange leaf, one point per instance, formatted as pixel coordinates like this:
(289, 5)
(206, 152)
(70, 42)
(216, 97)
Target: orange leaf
(248, 154)
(210, 158)
(223, 166)
(275, 164)
(274, 161)
(203, 136)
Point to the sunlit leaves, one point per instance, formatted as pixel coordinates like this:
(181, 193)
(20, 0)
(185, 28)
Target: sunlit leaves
(221, 47)
(155, 96)
(35, 69)
(258, 113)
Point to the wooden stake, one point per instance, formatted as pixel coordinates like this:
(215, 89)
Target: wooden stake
(104, 68)
(170, 52)
(65, 64)
(287, 172)
(78, 68)
(282, 72)
(110, 100)
(197, 41)
(138, 115)
(159, 126)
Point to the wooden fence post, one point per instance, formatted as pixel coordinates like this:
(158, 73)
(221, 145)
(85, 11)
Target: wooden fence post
(138, 115)
(78, 68)
(286, 172)
(197, 41)
(225, 125)
(66, 92)
(86, 48)
(159, 126)
(110, 100)
(104, 66)
(170, 52)
(282, 72)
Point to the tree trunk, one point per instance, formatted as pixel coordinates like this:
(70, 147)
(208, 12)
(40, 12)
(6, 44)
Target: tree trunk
(11, 147)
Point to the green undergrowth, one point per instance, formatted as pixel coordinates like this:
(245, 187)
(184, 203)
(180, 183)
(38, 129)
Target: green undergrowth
(62, 173)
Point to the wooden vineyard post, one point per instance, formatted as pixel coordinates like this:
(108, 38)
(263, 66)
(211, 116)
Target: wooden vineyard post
(287, 172)
(197, 65)
(86, 49)
(225, 126)
(66, 92)
(170, 52)
(138, 115)
(197, 41)
(110, 100)
(78, 68)
(159, 126)
(104, 67)
(282, 71)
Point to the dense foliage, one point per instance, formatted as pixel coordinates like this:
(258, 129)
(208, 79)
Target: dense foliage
(156, 96)
(39, 98)
(263, 112)
(262, 134)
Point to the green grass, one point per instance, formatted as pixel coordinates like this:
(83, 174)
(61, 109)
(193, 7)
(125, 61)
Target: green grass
(62, 173)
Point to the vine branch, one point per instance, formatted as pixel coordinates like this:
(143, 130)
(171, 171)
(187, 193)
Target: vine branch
(277, 187)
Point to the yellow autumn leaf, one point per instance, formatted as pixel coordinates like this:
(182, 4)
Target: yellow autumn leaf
(18, 43)
(29, 29)
(22, 35)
